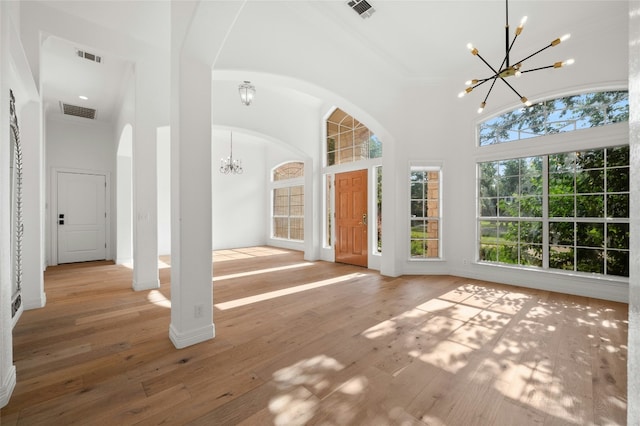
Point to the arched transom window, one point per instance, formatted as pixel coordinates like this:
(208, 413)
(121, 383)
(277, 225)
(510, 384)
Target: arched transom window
(294, 169)
(348, 140)
(558, 115)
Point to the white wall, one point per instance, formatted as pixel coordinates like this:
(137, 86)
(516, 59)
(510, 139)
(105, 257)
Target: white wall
(124, 197)
(80, 144)
(123, 229)
(239, 206)
(7, 370)
(164, 190)
(15, 75)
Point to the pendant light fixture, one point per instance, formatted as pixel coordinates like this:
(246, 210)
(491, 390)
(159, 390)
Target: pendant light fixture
(247, 92)
(229, 165)
(508, 68)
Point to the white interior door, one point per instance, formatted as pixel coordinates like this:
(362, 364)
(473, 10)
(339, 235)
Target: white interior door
(81, 217)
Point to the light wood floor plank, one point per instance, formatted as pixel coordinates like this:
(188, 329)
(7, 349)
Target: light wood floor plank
(317, 343)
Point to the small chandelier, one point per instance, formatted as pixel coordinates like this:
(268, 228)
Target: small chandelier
(506, 69)
(229, 165)
(247, 92)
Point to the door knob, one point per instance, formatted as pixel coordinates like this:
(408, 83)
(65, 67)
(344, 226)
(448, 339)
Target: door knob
(364, 219)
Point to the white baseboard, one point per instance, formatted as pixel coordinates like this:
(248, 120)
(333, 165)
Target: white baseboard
(124, 261)
(149, 285)
(35, 303)
(182, 340)
(7, 386)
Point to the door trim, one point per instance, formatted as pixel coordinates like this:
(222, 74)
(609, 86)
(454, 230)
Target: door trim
(53, 208)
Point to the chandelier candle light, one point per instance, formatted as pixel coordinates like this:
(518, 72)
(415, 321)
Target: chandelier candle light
(506, 69)
(229, 165)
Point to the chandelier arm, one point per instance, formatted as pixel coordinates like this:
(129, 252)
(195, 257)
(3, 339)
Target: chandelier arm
(511, 87)
(487, 64)
(490, 89)
(534, 54)
(484, 80)
(539, 68)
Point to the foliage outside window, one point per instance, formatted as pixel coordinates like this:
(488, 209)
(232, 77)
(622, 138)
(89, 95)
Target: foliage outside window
(556, 116)
(567, 211)
(288, 202)
(425, 183)
(348, 140)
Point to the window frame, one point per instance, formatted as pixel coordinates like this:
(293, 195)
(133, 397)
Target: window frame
(287, 183)
(426, 167)
(366, 147)
(546, 124)
(615, 134)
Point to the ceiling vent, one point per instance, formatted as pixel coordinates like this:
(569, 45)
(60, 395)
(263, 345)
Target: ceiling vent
(78, 111)
(89, 56)
(362, 7)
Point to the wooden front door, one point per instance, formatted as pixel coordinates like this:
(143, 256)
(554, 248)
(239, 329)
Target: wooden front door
(351, 218)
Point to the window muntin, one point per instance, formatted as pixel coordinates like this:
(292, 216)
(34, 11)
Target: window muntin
(348, 140)
(510, 208)
(288, 213)
(291, 170)
(288, 201)
(586, 211)
(556, 116)
(425, 212)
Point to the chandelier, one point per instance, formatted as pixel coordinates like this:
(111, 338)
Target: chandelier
(247, 92)
(508, 68)
(229, 165)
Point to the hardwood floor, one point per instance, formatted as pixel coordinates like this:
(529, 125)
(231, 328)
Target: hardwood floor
(317, 343)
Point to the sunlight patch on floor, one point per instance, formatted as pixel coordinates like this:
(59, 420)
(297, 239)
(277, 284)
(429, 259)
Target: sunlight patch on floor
(446, 355)
(296, 405)
(261, 271)
(245, 253)
(158, 299)
(285, 291)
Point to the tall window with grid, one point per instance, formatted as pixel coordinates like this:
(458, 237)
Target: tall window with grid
(425, 210)
(288, 201)
(567, 211)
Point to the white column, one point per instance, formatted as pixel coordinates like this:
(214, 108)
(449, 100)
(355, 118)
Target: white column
(33, 295)
(633, 369)
(7, 369)
(145, 221)
(191, 242)
(391, 240)
(313, 238)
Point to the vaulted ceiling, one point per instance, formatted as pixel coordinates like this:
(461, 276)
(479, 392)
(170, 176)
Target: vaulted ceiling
(403, 43)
